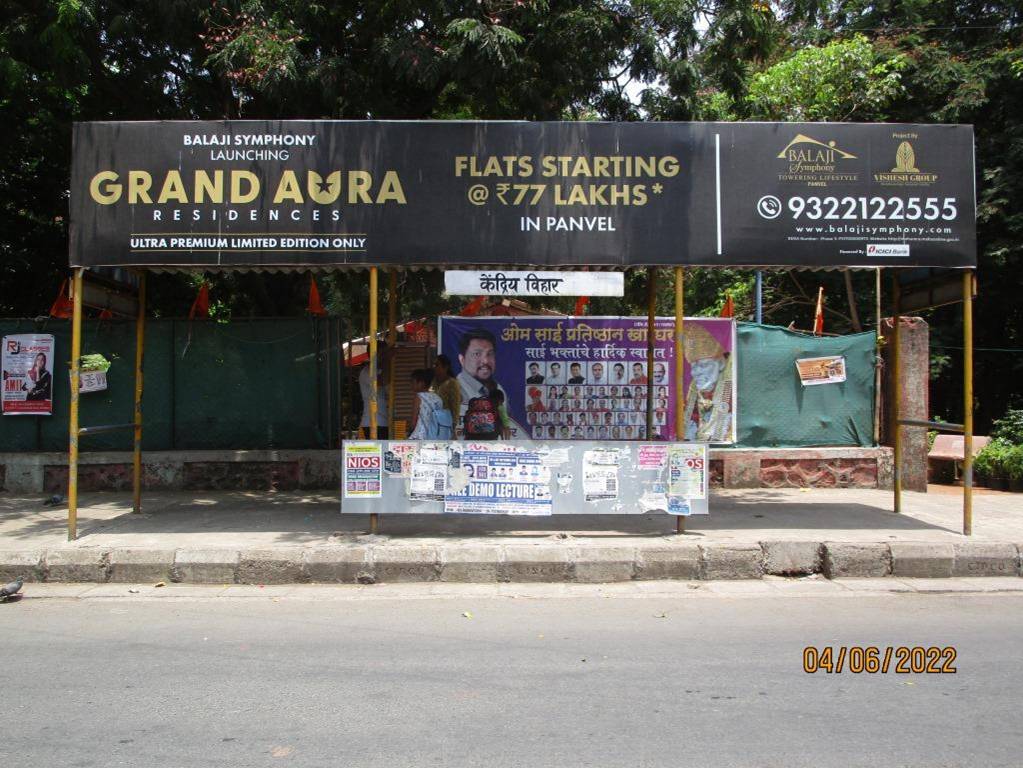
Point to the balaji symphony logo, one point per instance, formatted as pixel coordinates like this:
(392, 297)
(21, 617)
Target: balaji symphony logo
(815, 162)
(905, 172)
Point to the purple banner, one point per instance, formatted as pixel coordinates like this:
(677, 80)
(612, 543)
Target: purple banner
(585, 378)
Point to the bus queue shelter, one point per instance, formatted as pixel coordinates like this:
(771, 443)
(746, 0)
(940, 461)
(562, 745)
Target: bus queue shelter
(368, 195)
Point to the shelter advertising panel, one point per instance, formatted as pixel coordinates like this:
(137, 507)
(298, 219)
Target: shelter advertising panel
(514, 193)
(27, 364)
(585, 378)
(532, 478)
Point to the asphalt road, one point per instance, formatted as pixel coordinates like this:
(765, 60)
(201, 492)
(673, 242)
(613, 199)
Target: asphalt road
(716, 681)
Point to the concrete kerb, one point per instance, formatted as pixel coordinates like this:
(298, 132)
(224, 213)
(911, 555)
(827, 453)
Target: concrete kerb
(557, 562)
(792, 558)
(731, 561)
(986, 558)
(136, 566)
(922, 560)
(29, 565)
(868, 560)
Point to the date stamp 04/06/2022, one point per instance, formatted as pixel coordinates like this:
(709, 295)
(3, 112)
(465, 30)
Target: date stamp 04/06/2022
(872, 659)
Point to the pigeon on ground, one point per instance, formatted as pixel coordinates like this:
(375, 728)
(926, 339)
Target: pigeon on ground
(10, 589)
(54, 500)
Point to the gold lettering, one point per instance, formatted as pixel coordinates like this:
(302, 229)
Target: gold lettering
(237, 177)
(173, 189)
(205, 186)
(108, 193)
(288, 189)
(390, 189)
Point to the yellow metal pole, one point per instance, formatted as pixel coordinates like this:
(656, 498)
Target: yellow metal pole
(651, 322)
(392, 339)
(967, 403)
(877, 351)
(76, 354)
(680, 393)
(140, 338)
(373, 296)
(895, 427)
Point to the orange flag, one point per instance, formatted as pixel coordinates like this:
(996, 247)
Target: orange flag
(62, 306)
(580, 305)
(473, 307)
(729, 309)
(201, 305)
(315, 307)
(818, 318)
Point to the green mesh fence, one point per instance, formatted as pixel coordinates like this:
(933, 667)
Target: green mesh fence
(776, 410)
(240, 385)
(265, 384)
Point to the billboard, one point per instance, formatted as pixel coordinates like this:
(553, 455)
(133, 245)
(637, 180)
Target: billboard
(585, 378)
(514, 193)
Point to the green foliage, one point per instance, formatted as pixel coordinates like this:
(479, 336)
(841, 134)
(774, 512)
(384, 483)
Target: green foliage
(992, 460)
(1012, 463)
(1009, 427)
(843, 80)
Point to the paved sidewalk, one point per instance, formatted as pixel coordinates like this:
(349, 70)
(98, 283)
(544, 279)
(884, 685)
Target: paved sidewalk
(289, 537)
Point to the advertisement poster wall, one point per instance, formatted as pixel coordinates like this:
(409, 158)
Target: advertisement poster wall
(27, 363)
(585, 378)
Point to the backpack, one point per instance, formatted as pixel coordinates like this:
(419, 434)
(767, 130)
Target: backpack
(482, 421)
(435, 421)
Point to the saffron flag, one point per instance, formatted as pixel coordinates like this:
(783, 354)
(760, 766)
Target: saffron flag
(473, 307)
(315, 307)
(62, 306)
(729, 309)
(201, 305)
(818, 318)
(580, 305)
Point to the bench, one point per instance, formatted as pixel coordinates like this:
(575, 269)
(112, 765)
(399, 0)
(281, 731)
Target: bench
(953, 448)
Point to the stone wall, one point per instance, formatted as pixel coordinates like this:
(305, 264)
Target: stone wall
(318, 469)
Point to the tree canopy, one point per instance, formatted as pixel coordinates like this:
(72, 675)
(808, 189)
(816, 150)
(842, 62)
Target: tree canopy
(909, 61)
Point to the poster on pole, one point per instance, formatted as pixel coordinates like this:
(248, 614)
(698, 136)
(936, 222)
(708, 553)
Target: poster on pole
(27, 363)
(585, 378)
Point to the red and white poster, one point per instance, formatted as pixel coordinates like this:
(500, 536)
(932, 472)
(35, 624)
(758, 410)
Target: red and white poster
(27, 364)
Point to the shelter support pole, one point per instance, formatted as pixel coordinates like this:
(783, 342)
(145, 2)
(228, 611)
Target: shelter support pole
(877, 351)
(373, 363)
(967, 403)
(140, 339)
(392, 339)
(760, 297)
(651, 322)
(896, 379)
(680, 393)
(76, 354)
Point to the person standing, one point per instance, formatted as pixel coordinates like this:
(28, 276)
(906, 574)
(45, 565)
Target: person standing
(446, 386)
(366, 390)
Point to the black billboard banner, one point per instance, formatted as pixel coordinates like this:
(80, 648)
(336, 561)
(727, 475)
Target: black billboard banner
(266, 193)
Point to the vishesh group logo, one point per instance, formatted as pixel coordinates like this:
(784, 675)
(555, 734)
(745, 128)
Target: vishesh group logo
(905, 172)
(880, 250)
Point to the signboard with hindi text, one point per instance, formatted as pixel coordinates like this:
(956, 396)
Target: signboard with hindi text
(521, 194)
(586, 378)
(496, 283)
